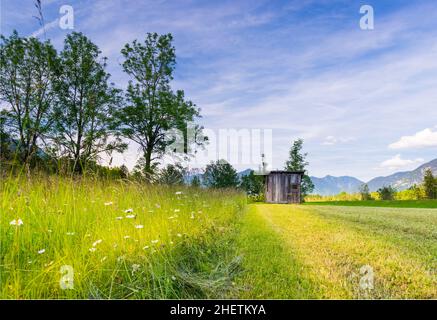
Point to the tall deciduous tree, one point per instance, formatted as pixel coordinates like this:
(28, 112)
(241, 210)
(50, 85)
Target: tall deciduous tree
(430, 185)
(27, 68)
(86, 103)
(297, 162)
(152, 109)
(364, 192)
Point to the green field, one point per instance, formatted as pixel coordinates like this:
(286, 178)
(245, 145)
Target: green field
(129, 241)
(378, 203)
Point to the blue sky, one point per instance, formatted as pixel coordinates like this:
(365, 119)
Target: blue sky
(365, 101)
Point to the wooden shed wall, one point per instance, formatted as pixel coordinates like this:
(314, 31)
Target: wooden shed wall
(283, 187)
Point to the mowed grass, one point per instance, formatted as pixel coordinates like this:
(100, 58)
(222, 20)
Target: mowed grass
(318, 251)
(123, 240)
(378, 203)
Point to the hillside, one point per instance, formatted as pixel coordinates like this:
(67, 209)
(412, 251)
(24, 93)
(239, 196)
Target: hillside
(330, 185)
(403, 180)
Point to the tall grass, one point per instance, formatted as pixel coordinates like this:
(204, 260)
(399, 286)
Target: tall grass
(122, 239)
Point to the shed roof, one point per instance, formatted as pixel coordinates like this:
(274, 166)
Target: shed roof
(282, 171)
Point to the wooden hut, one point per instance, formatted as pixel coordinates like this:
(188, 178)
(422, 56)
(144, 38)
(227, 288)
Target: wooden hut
(283, 186)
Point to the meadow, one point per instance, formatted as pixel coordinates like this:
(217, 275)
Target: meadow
(125, 240)
(122, 239)
(378, 203)
(318, 252)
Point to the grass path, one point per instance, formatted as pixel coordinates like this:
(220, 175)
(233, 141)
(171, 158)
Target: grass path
(318, 251)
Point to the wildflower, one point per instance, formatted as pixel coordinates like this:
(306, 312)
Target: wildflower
(146, 247)
(155, 241)
(173, 278)
(177, 210)
(130, 216)
(192, 216)
(17, 222)
(97, 242)
(139, 226)
(135, 268)
(92, 249)
(126, 237)
(110, 203)
(70, 233)
(179, 235)
(171, 217)
(118, 218)
(129, 210)
(178, 192)
(171, 242)
(41, 251)
(49, 230)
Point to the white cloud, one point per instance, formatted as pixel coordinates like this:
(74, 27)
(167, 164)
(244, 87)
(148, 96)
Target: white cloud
(424, 138)
(397, 162)
(331, 140)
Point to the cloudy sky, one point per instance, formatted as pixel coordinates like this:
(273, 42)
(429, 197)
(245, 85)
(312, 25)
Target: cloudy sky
(364, 101)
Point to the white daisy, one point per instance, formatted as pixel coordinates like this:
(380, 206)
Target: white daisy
(129, 210)
(17, 222)
(41, 251)
(135, 268)
(110, 203)
(139, 226)
(97, 242)
(178, 192)
(130, 216)
(155, 241)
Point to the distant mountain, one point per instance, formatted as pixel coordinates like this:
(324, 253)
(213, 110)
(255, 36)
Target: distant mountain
(330, 185)
(243, 173)
(403, 180)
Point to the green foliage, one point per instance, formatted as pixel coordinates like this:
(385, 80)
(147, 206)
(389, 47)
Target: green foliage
(27, 73)
(430, 185)
(85, 104)
(253, 185)
(386, 193)
(297, 162)
(220, 174)
(153, 111)
(195, 182)
(364, 192)
(172, 175)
